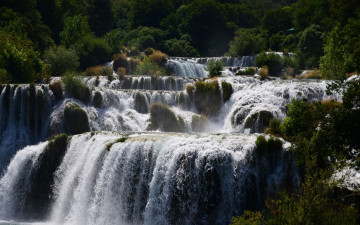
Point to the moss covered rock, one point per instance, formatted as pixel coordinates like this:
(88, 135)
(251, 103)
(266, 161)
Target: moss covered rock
(199, 123)
(207, 97)
(258, 121)
(56, 88)
(37, 200)
(75, 119)
(227, 90)
(141, 103)
(163, 118)
(98, 99)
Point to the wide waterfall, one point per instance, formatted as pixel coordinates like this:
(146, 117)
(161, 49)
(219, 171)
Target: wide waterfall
(150, 178)
(196, 67)
(125, 171)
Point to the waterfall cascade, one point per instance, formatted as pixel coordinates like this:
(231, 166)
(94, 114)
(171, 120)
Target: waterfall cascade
(196, 67)
(119, 173)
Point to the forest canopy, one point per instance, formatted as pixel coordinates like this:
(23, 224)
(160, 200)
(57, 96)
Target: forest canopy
(97, 29)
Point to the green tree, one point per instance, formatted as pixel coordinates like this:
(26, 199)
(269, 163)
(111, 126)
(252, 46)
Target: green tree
(273, 61)
(214, 67)
(145, 37)
(277, 20)
(100, 16)
(246, 42)
(61, 60)
(181, 47)
(336, 61)
(149, 13)
(75, 29)
(311, 46)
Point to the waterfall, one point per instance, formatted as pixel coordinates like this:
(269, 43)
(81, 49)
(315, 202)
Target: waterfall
(16, 182)
(24, 117)
(163, 178)
(196, 67)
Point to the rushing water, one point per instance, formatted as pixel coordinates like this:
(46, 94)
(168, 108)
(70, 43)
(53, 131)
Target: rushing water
(127, 175)
(151, 178)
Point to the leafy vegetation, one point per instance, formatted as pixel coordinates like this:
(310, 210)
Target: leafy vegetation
(76, 88)
(163, 118)
(214, 67)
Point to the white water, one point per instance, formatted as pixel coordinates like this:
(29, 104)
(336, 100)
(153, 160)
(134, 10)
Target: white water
(196, 67)
(16, 181)
(158, 179)
(24, 120)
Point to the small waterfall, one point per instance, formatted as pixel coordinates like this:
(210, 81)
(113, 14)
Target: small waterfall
(16, 182)
(167, 83)
(163, 179)
(196, 67)
(24, 117)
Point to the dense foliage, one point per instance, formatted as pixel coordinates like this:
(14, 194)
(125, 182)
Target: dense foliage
(323, 33)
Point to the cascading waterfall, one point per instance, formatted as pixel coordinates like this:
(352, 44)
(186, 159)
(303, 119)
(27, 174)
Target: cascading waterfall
(24, 117)
(144, 178)
(141, 82)
(156, 178)
(196, 67)
(16, 182)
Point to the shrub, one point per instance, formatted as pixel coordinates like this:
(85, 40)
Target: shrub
(313, 74)
(273, 61)
(246, 42)
(227, 90)
(61, 60)
(148, 67)
(264, 72)
(76, 88)
(271, 144)
(94, 71)
(274, 127)
(120, 60)
(258, 121)
(56, 88)
(190, 88)
(121, 71)
(207, 97)
(248, 218)
(93, 51)
(97, 99)
(214, 67)
(199, 123)
(261, 143)
(4, 76)
(163, 118)
(181, 47)
(248, 71)
(158, 57)
(76, 119)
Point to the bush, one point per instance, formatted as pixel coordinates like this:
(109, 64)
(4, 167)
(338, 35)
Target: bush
(76, 119)
(264, 72)
(214, 67)
(313, 74)
(94, 71)
(58, 143)
(148, 67)
(120, 60)
(190, 88)
(273, 61)
(61, 60)
(4, 76)
(76, 88)
(274, 127)
(121, 71)
(207, 97)
(248, 71)
(182, 47)
(56, 88)
(248, 218)
(163, 118)
(158, 57)
(93, 51)
(271, 144)
(145, 37)
(246, 42)
(199, 123)
(227, 90)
